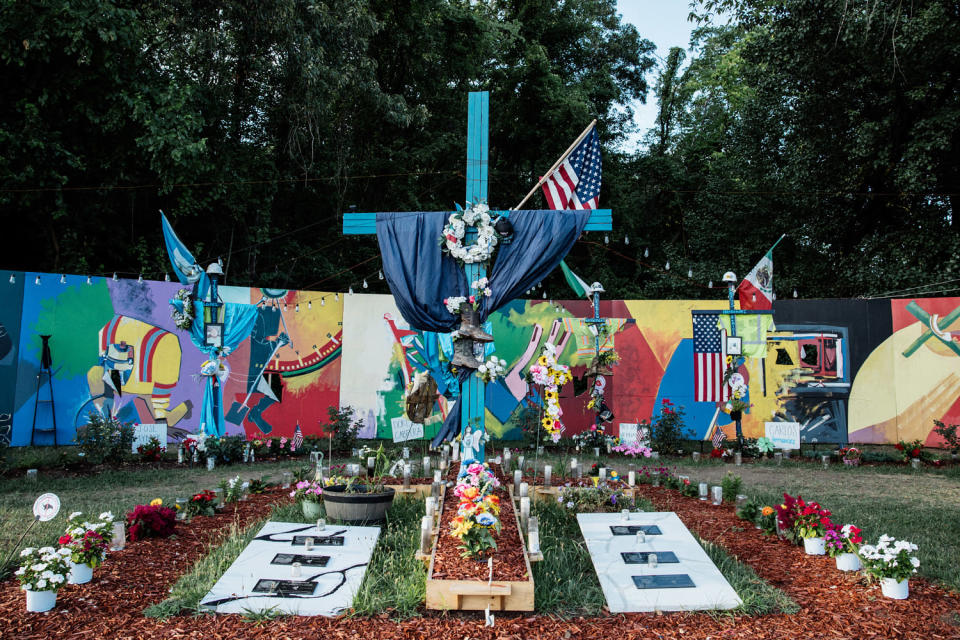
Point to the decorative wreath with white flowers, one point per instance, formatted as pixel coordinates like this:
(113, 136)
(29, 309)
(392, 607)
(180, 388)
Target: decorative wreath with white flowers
(183, 313)
(476, 215)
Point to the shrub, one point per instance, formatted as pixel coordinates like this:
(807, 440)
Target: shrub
(949, 433)
(105, 439)
(731, 486)
(151, 521)
(224, 450)
(668, 430)
(151, 451)
(345, 427)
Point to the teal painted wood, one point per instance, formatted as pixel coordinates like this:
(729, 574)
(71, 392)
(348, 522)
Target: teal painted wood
(366, 223)
(478, 121)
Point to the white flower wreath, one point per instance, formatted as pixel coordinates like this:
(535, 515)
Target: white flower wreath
(477, 215)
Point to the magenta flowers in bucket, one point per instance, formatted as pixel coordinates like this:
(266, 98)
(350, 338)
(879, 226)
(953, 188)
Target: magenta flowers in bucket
(307, 491)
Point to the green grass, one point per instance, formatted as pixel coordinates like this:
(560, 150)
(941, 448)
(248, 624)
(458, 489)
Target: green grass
(759, 597)
(115, 491)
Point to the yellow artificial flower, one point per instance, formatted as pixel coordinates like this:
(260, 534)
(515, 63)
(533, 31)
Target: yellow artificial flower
(460, 529)
(547, 423)
(550, 395)
(156, 502)
(542, 361)
(591, 403)
(767, 511)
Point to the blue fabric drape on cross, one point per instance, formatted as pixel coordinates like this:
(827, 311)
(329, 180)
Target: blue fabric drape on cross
(420, 276)
(238, 321)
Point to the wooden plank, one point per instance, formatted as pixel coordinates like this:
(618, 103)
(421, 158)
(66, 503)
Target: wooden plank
(366, 223)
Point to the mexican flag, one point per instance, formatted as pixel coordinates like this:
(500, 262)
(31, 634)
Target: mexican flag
(579, 286)
(756, 290)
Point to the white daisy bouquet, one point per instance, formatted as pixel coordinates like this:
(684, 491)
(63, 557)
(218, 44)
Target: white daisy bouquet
(43, 569)
(890, 558)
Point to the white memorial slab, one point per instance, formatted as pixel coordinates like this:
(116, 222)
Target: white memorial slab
(254, 582)
(710, 589)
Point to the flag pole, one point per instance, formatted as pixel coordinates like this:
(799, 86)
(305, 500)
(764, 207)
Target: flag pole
(557, 164)
(776, 243)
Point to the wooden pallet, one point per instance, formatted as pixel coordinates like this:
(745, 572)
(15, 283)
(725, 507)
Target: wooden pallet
(475, 595)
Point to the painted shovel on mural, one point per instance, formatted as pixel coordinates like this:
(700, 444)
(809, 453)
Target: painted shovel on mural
(238, 410)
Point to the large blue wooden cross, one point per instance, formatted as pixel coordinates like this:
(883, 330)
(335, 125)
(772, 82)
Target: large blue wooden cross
(473, 391)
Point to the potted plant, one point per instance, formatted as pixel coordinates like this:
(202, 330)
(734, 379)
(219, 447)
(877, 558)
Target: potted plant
(41, 574)
(851, 456)
(735, 407)
(151, 521)
(202, 504)
(811, 524)
(308, 493)
(892, 562)
(842, 545)
(356, 502)
(87, 543)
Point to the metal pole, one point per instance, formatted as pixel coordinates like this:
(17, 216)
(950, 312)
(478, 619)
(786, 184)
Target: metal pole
(731, 289)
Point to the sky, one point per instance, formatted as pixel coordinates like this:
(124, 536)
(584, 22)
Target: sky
(663, 22)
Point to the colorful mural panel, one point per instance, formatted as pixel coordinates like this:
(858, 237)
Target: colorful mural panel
(871, 371)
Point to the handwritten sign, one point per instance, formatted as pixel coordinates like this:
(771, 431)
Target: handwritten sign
(784, 435)
(404, 430)
(46, 507)
(631, 433)
(143, 432)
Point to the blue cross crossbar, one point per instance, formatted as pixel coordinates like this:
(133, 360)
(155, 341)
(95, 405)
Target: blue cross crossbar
(366, 223)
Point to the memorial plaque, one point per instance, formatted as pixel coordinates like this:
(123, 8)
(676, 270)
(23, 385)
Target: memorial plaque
(327, 541)
(665, 581)
(643, 557)
(307, 561)
(632, 530)
(285, 587)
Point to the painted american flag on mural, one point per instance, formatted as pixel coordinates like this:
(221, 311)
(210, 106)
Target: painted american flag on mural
(576, 182)
(709, 356)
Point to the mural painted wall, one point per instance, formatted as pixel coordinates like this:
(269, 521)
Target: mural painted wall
(872, 371)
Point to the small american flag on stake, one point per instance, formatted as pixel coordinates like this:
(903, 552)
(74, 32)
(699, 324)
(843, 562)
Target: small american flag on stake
(709, 358)
(719, 437)
(575, 184)
(297, 439)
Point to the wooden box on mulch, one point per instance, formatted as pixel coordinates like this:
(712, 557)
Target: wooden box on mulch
(458, 584)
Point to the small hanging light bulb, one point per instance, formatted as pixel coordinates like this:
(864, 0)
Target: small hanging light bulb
(13, 279)
(774, 296)
(365, 283)
(753, 297)
(336, 296)
(114, 276)
(626, 239)
(540, 285)
(380, 273)
(350, 290)
(646, 252)
(689, 273)
(710, 285)
(309, 304)
(794, 293)
(284, 306)
(544, 295)
(63, 278)
(89, 281)
(323, 302)
(37, 281)
(667, 267)
(140, 279)
(606, 239)
(296, 308)
(166, 277)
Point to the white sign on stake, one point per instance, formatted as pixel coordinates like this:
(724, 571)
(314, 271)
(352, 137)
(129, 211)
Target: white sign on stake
(784, 435)
(46, 507)
(628, 433)
(143, 432)
(404, 430)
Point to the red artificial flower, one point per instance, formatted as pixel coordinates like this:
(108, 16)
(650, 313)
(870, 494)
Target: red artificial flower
(898, 447)
(65, 539)
(915, 453)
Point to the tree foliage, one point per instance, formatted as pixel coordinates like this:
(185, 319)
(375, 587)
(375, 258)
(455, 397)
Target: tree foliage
(255, 125)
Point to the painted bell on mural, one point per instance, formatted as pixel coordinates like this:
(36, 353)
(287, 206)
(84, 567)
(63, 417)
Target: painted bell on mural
(421, 397)
(463, 354)
(470, 325)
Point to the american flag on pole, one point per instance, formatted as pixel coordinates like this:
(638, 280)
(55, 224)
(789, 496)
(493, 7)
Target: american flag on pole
(576, 182)
(297, 439)
(709, 358)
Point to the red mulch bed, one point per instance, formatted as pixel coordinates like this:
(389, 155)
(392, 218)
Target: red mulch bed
(834, 604)
(508, 562)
